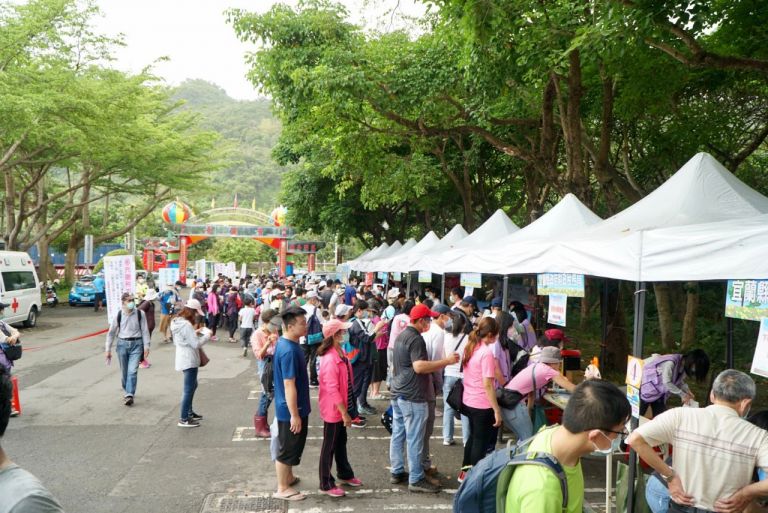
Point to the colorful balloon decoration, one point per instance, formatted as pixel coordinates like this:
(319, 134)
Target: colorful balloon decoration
(278, 215)
(176, 212)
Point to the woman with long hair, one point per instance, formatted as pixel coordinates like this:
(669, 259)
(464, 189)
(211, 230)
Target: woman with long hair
(336, 401)
(455, 341)
(188, 339)
(213, 309)
(263, 341)
(479, 366)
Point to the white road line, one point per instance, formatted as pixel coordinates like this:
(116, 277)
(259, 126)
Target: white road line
(246, 434)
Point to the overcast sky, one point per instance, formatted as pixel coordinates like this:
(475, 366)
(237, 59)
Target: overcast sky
(196, 38)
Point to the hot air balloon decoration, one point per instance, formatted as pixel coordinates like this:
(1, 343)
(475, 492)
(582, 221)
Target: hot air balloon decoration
(176, 212)
(278, 215)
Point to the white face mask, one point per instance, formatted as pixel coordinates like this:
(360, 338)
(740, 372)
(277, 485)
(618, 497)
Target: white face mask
(615, 445)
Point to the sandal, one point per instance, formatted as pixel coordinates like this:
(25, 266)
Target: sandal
(293, 496)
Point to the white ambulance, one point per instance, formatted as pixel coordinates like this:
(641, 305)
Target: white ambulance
(19, 288)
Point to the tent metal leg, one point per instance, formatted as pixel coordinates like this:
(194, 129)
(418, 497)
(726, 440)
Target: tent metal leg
(505, 294)
(729, 343)
(442, 289)
(604, 321)
(637, 350)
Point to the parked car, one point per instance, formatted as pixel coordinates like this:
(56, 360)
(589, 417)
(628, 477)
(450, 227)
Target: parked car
(19, 288)
(82, 293)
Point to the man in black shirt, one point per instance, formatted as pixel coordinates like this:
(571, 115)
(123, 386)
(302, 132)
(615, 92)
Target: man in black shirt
(410, 383)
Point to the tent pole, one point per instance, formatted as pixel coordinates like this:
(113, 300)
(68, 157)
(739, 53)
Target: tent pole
(637, 351)
(442, 290)
(604, 320)
(729, 343)
(505, 294)
(408, 289)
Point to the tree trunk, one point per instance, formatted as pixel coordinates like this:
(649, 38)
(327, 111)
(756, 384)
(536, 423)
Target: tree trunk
(75, 241)
(664, 308)
(617, 340)
(691, 311)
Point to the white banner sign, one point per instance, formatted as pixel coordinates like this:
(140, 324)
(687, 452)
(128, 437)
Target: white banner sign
(219, 268)
(200, 269)
(425, 277)
(119, 277)
(557, 308)
(231, 270)
(243, 270)
(168, 275)
(760, 359)
(474, 280)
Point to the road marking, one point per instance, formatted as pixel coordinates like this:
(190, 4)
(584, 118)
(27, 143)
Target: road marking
(246, 434)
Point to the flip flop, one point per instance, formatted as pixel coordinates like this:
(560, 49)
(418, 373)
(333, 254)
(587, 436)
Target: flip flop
(295, 481)
(295, 496)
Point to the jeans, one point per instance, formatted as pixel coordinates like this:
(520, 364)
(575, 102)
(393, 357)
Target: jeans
(190, 385)
(426, 460)
(266, 399)
(409, 420)
(656, 495)
(677, 508)
(129, 354)
(449, 413)
(518, 420)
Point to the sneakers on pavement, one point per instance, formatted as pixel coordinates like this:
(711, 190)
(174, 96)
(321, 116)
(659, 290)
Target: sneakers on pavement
(398, 478)
(462, 476)
(128, 400)
(423, 486)
(354, 482)
(334, 492)
(314, 384)
(188, 423)
(245, 352)
(196, 416)
(357, 422)
(367, 410)
(449, 442)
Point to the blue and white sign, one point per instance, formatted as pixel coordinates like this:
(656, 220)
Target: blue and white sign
(747, 299)
(560, 283)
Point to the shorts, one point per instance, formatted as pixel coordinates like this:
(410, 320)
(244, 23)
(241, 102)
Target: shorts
(380, 366)
(290, 447)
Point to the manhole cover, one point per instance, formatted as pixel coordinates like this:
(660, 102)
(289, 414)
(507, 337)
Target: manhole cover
(237, 503)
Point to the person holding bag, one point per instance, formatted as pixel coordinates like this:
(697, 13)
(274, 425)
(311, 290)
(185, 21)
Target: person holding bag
(527, 383)
(336, 402)
(189, 342)
(479, 398)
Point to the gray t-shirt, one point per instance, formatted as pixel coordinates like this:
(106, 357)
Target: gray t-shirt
(409, 347)
(21, 492)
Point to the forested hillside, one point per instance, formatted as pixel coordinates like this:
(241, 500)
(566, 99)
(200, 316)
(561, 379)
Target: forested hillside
(248, 131)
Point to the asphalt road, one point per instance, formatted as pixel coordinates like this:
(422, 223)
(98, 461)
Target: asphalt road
(97, 455)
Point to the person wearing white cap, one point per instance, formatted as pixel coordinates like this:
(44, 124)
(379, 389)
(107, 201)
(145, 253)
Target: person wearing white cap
(188, 341)
(311, 342)
(342, 312)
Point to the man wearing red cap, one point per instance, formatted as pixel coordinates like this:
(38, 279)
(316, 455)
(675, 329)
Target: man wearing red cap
(410, 383)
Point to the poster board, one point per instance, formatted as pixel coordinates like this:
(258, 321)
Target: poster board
(474, 280)
(760, 359)
(558, 304)
(119, 277)
(571, 285)
(747, 299)
(425, 277)
(168, 275)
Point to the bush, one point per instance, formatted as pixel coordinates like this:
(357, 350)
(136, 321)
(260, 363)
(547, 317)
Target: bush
(117, 252)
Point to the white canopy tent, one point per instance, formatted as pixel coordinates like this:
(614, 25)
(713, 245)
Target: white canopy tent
(378, 250)
(456, 235)
(372, 265)
(399, 261)
(496, 227)
(391, 250)
(567, 216)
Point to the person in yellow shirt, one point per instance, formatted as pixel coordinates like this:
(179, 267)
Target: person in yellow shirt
(593, 421)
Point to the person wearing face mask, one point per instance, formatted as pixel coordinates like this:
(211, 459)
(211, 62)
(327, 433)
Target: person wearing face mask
(716, 450)
(130, 329)
(593, 421)
(455, 296)
(336, 402)
(141, 288)
(664, 375)
(362, 337)
(410, 381)
(263, 340)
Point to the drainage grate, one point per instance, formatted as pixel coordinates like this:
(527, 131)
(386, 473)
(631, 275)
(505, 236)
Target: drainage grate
(236, 503)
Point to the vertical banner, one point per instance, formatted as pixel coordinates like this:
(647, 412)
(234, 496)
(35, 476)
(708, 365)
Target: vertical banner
(243, 270)
(200, 269)
(368, 279)
(168, 275)
(557, 308)
(219, 268)
(634, 380)
(183, 247)
(231, 270)
(88, 250)
(119, 277)
(760, 359)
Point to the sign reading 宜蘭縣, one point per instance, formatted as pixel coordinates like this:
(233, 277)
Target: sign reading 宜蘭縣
(747, 299)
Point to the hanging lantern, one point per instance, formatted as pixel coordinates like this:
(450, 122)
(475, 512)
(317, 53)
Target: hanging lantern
(176, 212)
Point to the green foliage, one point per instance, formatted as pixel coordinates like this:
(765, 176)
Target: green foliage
(240, 251)
(116, 252)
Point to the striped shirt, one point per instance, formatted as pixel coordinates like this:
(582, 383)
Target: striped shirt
(715, 451)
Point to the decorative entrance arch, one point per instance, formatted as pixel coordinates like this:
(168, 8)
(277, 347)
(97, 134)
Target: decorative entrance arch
(240, 223)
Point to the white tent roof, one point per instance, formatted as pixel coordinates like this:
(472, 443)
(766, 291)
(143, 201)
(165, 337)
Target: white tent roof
(567, 216)
(359, 258)
(399, 261)
(702, 191)
(355, 264)
(391, 250)
(447, 243)
(373, 265)
(497, 226)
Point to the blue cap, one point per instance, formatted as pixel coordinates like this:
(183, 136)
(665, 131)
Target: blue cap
(471, 300)
(496, 302)
(441, 309)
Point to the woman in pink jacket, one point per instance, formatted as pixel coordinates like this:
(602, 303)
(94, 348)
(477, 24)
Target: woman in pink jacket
(335, 399)
(212, 302)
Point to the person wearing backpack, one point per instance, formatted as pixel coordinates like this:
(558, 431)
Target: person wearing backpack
(362, 338)
(593, 421)
(168, 299)
(130, 329)
(246, 317)
(314, 335)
